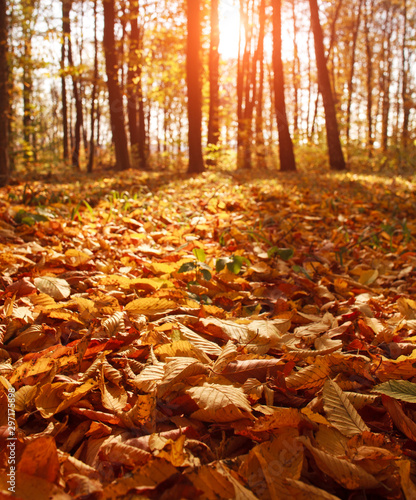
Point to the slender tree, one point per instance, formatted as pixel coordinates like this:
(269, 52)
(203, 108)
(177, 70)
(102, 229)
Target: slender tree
(114, 93)
(76, 90)
(91, 154)
(65, 37)
(135, 106)
(214, 58)
(260, 146)
(28, 8)
(4, 97)
(193, 80)
(407, 104)
(286, 155)
(350, 83)
(369, 11)
(336, 157)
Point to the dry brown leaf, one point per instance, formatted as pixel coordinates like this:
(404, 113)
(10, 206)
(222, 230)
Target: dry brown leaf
(345, 473)
(219, 403)
(400, 419)
(340, 412)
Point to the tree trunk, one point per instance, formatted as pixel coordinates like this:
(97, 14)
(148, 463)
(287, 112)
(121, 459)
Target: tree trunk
(114, 94)
(77, 98)
(350, 83)
(135, 111)
(65, 36)
(286, 155)
(296, 73)
(214, 58)
(369, 77)
(385, 79)
(4, 97)
(407, 104)
(27, 92)
(260, 145)
(91, 155)
(193, 80)
(336, 157)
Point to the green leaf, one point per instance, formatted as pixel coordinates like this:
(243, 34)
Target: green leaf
(199, 254)
(283, 253)
(187, 266)
(236, 263)
(220, 264)
(206, 274)
(398, 389)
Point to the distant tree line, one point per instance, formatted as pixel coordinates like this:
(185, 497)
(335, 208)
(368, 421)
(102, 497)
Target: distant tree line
(147, 77)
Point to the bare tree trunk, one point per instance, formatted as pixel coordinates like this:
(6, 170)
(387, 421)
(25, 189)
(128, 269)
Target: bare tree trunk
(295, 73)
(405, 81)
(193, 80)
(135, 110)
(66, 9)
(4, 97)
(336, 157)
(260, 145)
(114, 92)
(385, 79)
(214, 59)
(286, 155)
(369, 77)
(65, 36)
(27, 88)
(350, 83)
(91, 155)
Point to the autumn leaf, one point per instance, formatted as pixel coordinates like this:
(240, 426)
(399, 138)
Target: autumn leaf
(219, 403)
(340, 412)
(398, 389)
(56, 288)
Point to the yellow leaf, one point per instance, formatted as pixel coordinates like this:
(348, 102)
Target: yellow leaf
(368, 277)
(149, 306)
(220, 403)
(182, 348)
(76, 258)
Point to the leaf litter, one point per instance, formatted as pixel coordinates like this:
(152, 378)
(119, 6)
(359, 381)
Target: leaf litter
(212, 337)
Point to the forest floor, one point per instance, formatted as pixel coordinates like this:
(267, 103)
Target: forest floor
(213, 337)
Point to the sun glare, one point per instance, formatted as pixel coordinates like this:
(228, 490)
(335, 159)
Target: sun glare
(229, 24)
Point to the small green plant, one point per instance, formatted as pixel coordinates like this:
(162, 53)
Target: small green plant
(283, 253)
(233, 263)
(198, 265)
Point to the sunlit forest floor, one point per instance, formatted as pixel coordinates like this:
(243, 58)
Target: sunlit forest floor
(228, 335)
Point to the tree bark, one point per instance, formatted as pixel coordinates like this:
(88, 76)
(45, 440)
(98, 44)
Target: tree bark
(336, 157)
(407, 104)
(4, 97)
(77, 98)
(91, 154)
(135, 108)
(286, 155)
(193, 80)
(369, 76)
(114, 93)
(214, 59)
(65, 36)
(28, 131)
(385, 79)
(260, 145)
(350, 83)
